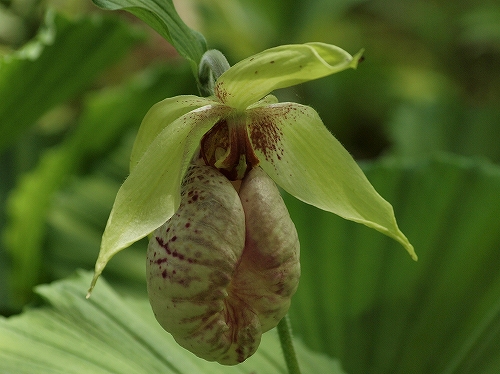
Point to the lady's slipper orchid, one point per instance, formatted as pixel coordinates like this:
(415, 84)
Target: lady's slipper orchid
(239, 127)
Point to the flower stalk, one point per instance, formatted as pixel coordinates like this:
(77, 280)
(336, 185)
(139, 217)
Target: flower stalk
(286, 339)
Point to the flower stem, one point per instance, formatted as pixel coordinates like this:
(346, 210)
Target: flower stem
(285, 334)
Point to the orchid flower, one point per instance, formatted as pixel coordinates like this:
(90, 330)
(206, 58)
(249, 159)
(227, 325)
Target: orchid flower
(237, 128)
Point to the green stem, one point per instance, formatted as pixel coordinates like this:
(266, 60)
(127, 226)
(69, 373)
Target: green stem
(285, 334)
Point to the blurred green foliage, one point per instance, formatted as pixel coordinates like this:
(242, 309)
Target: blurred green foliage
(72, 99)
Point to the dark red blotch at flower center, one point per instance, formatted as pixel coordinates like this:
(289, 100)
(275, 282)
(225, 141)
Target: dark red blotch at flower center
(227, 147)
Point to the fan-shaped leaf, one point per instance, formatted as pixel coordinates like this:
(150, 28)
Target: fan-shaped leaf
(362, 301)
(109, 334)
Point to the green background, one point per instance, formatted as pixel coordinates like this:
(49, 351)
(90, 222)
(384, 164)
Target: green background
(420, 114)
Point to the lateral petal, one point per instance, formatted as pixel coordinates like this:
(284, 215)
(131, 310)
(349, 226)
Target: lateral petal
(305, 159)
(151, 193)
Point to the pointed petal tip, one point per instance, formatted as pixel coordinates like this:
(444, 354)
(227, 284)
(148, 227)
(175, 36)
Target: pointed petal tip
(357, 58)
(97, 273)
(409, 248)
(403, 240)
(396, 234)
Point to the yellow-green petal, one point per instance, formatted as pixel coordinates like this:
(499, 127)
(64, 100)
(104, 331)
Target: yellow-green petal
(151, 193)
(160, 116)
(305, 159)
(253, 78)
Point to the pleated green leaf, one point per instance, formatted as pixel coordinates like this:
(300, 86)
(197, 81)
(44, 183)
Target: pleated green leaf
(162, 16)
(367, 304)
(61, 61)
(110, 334)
